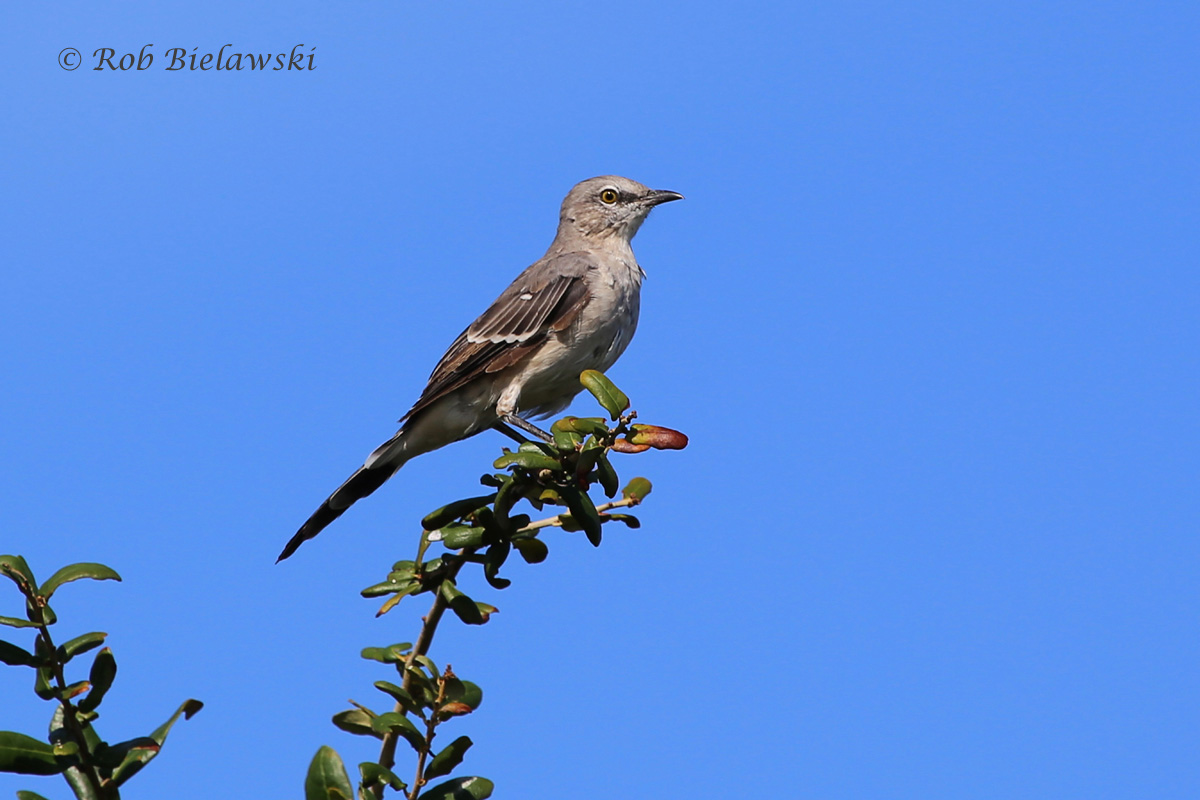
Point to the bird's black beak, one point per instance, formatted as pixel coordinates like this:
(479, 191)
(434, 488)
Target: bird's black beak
(659, 196)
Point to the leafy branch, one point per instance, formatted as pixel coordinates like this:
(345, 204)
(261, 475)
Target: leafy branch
(483, 530)
(93, 768)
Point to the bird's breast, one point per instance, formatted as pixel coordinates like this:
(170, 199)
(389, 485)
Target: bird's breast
(596, 339)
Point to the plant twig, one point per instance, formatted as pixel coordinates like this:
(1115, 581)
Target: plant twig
(430, 725)
(69, 714)
(557, 520)
(387, 751)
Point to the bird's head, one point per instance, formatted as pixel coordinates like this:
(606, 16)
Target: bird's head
(609, 206)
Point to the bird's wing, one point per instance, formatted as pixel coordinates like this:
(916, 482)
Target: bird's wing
(545, 298)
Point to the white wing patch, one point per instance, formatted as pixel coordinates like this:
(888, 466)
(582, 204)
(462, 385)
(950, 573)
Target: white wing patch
(519, 315)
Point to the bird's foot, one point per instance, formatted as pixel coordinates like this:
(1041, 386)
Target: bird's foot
(525, 425)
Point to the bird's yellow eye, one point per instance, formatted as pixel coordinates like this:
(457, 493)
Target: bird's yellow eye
(608, 196)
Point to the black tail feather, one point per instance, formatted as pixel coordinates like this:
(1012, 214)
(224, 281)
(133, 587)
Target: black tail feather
(357, 486)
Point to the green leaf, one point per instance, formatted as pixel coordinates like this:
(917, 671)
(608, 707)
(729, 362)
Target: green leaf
(27, 756)
(80, 644)
(495, 557)
(73, 690)
(40, 614)
(465, 692)
(14, 622)
(584, 512)
(528, 460)
(565, 441)
(373, 773)
(395, 599)
(74, 572)
(607, 476)
(609, 396)
(587, 458)
(636, 489)
(327, 778)
(16, 656)
(583, 426)
(459, 536)
(534, 551)
(187, 709)
(449, 758)
(548, 496)
(356, 721)
(402, 574)
(628, 519)
(15, 569)
(452, 511)
(427, 663)
(473, 788)
(67, 749)
(392, 654)
(420, 687)
(391, 587)
(463, 607)
(125, 754)
(43, 685)
(24, 795)
(101, 676)
(402, 570)
(537, 446)
(80, 784)
(397, 693)
(143, 750)
(393, 722)
(506, 498)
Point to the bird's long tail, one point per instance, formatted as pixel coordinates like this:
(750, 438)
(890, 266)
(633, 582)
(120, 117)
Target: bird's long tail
(383, 464)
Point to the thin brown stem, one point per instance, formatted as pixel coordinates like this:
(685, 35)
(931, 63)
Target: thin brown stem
(430, 725)
(557, 520)
(387, 751)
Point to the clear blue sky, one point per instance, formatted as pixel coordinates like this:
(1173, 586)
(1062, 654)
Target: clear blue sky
(929, 314)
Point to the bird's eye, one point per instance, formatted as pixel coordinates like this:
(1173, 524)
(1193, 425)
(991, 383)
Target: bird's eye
(608, 196)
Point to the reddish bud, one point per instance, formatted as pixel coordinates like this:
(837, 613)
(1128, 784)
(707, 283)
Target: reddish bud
(623, 445)
(658, 438)
(455, 709)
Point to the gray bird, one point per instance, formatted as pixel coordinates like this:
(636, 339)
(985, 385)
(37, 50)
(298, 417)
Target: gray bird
(575, 308)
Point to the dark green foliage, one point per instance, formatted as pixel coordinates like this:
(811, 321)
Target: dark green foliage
(613, 399)
(93, 768)
(327, 778)
(484, 531)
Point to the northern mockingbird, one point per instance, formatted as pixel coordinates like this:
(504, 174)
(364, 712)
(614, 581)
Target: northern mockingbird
(575, 308)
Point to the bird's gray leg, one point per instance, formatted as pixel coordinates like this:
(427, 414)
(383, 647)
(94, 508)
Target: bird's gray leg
(509, 432)
(525, 425)
(506, 410)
